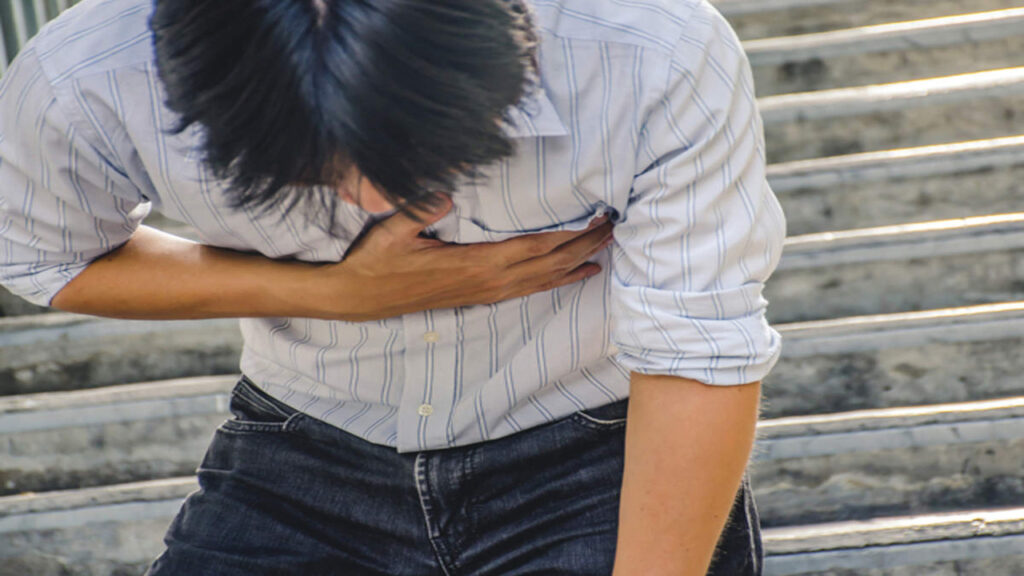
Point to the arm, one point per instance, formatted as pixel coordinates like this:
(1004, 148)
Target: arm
(70, 238)
(701, 235)
(391, 272)
(687, 445)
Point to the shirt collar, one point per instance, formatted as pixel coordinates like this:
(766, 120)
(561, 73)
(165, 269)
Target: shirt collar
(535, 116)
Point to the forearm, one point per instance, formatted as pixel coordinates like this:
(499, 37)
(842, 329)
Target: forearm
(687, 446)
(159, 276)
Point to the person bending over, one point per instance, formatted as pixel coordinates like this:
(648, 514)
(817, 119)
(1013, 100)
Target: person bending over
(452, 363)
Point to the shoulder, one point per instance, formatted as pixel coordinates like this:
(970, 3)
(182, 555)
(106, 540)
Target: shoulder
(659, 25)
(95, 36)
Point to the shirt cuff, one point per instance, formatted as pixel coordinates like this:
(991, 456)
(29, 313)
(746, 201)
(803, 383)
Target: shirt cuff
(718, 337)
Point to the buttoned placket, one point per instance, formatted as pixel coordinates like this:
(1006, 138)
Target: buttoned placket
(430, 340)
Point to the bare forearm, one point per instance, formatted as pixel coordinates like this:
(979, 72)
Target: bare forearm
(158, 276)
(687, 445)
(390, 272)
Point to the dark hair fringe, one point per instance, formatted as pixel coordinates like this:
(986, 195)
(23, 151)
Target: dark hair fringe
(290, 95)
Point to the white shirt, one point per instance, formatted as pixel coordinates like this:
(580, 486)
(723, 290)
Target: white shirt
(647, 111)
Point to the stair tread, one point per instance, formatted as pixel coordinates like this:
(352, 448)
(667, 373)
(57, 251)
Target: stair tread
(984, 322)
(895, 36)
(887, 418)
(931, 239)
(874, 98)
(896, 530)
(922, 161)
(128, 403)
(736, 7)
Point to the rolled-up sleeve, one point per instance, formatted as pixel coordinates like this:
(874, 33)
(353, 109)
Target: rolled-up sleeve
(62, 202)
(703, 230)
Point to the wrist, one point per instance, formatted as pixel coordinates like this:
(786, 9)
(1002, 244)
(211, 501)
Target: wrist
(293, 289)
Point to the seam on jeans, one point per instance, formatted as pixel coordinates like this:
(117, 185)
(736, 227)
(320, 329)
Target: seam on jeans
(254, 395)
(600, 421)
(748, 501)
(426, 505)
(236, 426)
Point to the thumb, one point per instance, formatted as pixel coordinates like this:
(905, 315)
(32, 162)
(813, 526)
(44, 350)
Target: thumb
(411, 221)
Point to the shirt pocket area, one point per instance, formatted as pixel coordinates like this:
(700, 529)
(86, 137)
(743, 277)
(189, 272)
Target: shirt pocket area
(473, 230)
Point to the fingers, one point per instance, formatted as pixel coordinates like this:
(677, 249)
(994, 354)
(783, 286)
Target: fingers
(407, 226)
(577, 275)
(522, 248)
(567, 256)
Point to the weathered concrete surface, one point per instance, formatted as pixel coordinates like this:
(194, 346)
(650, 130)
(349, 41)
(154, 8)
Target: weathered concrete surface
(975, 557)
(765, 18)
(112, 435)
(883, 67)
(59, 351)
(885, 543)
(889, 462)
(892, 286)
(895, 376)
(876, 482)
(98, 455)
(888, 53)
(94, 532)
(832, 123)
(856, 203)
(1000, 566)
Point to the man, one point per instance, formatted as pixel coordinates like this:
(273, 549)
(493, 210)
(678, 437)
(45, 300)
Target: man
(429, 388)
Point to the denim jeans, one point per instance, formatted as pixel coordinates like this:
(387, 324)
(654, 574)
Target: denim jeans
(282, 493)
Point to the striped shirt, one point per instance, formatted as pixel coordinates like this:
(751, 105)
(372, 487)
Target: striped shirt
(646, 111)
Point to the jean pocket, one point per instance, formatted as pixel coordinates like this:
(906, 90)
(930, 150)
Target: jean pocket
(256, 411)
(610, 416)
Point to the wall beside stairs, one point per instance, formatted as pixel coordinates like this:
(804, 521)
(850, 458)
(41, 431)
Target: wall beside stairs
(892, 436)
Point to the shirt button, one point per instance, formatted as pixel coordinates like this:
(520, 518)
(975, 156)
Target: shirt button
(425, 410)
(613, 350)
(431, 337)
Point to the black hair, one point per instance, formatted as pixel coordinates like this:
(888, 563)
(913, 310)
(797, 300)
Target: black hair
(292, 94)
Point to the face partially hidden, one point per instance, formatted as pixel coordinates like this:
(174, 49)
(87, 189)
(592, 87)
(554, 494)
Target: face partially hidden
(360, 192)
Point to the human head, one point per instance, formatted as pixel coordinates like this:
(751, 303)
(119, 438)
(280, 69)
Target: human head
(294, 95)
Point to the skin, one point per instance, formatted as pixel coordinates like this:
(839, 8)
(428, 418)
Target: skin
(669, 518)
(687, 445)
(360, 192)
(391, 271)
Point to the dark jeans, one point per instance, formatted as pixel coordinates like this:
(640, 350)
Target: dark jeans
(284, 493)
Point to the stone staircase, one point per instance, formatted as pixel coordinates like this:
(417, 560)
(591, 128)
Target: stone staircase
(892, 437)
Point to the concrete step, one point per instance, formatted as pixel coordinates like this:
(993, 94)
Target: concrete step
(941, 110)
(805, 469)
(767, 18)
(888, 52)
(111, 530)
(986, 541)
(110, 435)
(59, 351)
(121, 433)
(897, 186)
(118, 530)
(892, 461)
(900, 268)
(890, 360)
